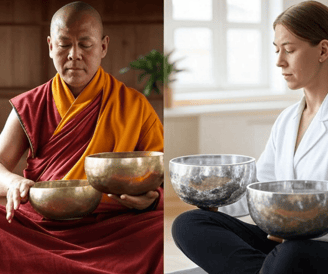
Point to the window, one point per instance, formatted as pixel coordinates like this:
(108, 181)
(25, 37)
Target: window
(224, 45)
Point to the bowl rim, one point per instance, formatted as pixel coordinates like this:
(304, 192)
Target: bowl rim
(249, 187)
(96, 155)
(39, 183)
(252, 159)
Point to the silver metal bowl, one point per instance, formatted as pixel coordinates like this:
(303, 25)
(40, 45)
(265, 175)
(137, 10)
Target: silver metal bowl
(64, 199)
(294, 209)
(132, 173)
(211, 180)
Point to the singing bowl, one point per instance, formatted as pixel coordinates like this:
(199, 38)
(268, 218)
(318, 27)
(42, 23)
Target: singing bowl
(294, 209)
(132, 173)
(210, 180)
(64, 199)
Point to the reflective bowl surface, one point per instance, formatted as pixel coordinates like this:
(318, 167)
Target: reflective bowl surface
(211, 180)
(294, 209)
(132, 173)
(64, 199)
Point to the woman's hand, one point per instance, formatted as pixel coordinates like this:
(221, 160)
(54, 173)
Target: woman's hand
(214, 209)
(17, 194)
(276, 239)
(139, 202)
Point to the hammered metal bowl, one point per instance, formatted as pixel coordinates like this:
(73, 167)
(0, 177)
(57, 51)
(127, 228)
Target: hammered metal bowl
(294, 209)
(131, 173)
(211, 180)
(64, 199)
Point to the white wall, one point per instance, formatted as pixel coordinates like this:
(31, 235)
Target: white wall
(236, 132)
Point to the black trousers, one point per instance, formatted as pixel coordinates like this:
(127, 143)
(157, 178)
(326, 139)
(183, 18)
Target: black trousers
(219, 243)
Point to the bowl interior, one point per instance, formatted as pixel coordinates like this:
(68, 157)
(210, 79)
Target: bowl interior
(212, 160)
(290, 187)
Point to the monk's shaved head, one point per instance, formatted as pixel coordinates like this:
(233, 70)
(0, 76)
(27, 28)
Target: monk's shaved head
(72, 12)
(77, 44)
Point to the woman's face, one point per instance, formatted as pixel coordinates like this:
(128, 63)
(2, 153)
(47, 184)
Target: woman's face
(298, 59)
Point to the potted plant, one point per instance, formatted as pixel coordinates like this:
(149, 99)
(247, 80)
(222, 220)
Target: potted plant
(158, 70)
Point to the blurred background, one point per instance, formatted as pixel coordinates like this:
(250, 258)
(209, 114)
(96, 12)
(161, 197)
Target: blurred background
(134, 27)
(229, 92)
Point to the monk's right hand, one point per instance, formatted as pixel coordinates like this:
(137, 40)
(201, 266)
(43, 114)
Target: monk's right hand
(17, 194)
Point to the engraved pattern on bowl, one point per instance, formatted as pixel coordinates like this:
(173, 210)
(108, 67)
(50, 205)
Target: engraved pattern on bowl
(292, 209)
(211, 180)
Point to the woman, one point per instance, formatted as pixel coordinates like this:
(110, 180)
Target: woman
(296, 150)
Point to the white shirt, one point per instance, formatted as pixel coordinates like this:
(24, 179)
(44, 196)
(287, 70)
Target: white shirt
(279, 160)
(310, 162)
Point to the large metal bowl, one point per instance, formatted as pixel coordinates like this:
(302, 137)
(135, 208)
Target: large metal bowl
(131, 173)
(64, 199)
(293, 209)
(211, 180)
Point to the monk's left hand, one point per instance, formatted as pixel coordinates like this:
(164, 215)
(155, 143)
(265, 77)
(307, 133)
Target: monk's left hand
(139, 202)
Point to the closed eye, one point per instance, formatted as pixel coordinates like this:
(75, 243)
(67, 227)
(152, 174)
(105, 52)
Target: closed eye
(286, 51)
(86, 46)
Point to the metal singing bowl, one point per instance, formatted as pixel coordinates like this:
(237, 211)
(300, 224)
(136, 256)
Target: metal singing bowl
(294, 209)
(64, 199)
(211, 180)
(131, 173)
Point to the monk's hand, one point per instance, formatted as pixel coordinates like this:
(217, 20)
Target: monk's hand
(17, 194)
(139, 202)
(276, 239)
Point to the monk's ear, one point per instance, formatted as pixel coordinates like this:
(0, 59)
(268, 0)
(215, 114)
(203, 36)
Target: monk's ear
(324, 50)
(50, 46)
(104, 45)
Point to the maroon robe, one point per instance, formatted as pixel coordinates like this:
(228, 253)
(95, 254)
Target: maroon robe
(113, 239)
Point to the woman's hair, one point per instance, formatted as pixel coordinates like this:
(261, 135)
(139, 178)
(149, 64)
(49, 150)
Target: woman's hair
(307, 20)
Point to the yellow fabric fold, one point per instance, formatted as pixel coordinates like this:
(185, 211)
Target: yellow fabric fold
(126, 121)
(67, 106)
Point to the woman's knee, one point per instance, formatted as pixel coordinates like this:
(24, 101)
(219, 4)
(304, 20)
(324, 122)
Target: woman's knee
(183, 223)
(194, 223)
(293, 251)
(291, 257)
(187, 224)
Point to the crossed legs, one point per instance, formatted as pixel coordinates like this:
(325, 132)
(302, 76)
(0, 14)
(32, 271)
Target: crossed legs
(219, 243)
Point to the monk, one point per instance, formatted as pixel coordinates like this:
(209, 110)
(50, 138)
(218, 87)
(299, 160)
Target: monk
(81, 111)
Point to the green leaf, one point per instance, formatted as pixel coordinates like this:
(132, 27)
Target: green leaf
(148, 88)
(138, 64)
(141, 76)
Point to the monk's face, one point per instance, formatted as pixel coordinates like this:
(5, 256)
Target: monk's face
(76, 47)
